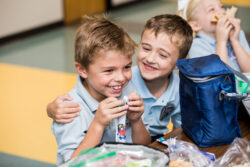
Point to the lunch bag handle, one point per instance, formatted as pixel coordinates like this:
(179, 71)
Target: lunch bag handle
(233, 96)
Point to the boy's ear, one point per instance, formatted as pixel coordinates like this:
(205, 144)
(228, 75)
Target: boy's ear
(81, 70)
(195, 26)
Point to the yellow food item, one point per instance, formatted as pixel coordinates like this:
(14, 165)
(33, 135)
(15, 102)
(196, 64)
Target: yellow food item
(229, 12)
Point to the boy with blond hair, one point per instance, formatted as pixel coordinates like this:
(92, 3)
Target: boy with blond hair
(103, 59)
(216, 32)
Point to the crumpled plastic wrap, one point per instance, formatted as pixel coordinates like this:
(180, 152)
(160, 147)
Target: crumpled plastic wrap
(237, 155)
(185, 154)
(120, 155)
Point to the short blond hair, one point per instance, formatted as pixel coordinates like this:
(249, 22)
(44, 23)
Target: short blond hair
(98, 33)
(176, 28)
(192, 4)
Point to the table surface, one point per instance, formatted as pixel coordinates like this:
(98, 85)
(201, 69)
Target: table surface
(217, 150)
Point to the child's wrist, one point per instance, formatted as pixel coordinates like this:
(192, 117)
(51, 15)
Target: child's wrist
(221, 43)
(136, 122)
(98, 125)
(234, 41)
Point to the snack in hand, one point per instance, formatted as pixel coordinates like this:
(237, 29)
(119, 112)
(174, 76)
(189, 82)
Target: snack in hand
(229, 13)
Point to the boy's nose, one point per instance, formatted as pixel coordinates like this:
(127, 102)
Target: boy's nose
(151, 58)
(120, 77)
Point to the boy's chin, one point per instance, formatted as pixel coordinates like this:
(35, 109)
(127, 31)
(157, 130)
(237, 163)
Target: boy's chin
(116, 95)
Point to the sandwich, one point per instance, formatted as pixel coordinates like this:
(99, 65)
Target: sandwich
(229, 13)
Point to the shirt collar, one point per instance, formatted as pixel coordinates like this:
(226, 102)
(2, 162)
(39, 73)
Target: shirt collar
(143, 91)
(85, 96)
(207, 38)
(140, 84)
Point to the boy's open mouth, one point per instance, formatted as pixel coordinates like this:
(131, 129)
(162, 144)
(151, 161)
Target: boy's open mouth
(116, 87)
(149, 68)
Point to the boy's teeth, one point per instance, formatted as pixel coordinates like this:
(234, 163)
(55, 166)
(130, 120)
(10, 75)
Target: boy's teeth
(116, 87)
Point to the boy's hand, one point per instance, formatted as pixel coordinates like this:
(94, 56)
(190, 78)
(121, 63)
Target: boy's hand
(223, 28)
(235, 32)
(63, 112)
(108, 110)
(136, 107)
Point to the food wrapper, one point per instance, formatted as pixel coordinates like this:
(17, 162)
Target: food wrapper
(120, 124)
(237, 155)
(120, 155)
(186, 154)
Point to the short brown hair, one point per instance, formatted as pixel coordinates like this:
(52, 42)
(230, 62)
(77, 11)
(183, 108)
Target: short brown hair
(98, 33)
(176, 27)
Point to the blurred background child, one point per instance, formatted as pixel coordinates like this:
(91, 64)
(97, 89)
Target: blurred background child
(222, 36)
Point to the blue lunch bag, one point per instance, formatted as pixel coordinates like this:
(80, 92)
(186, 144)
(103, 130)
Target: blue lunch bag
(208, 101)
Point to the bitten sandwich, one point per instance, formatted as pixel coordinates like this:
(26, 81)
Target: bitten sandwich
(229, 12)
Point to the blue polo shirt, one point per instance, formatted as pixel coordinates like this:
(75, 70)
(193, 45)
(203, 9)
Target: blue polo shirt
(153, 106)
(204, 45)
(70, 135)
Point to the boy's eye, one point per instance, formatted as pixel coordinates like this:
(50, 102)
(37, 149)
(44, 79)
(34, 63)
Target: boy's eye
(163, 55)
(145, 48)
(128, 67)
(109, 70)
(211, 10)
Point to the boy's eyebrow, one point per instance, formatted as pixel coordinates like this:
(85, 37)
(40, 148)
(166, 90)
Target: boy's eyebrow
(113, 66)
(161, 49)
(143, 43)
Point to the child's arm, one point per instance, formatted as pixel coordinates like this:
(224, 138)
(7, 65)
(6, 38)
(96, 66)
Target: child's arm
(108, 110)
(223, 28)
(140, 135)
(61, 111)
(242, 56)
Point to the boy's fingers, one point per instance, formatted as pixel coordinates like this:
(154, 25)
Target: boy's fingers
(67, 116)
(71, 105)
(119, 109)
(115, 104)
(64, 121)
(109, 99)
(64, 97)
(135, 103)
(72, 110)
(117, 115)
(135, 109)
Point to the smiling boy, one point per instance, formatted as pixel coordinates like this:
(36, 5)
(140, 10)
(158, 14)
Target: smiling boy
(98, 88)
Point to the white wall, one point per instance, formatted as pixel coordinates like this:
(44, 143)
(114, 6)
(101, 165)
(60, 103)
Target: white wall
(21, 15)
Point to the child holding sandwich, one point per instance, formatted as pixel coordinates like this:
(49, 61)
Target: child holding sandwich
(216, 32)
